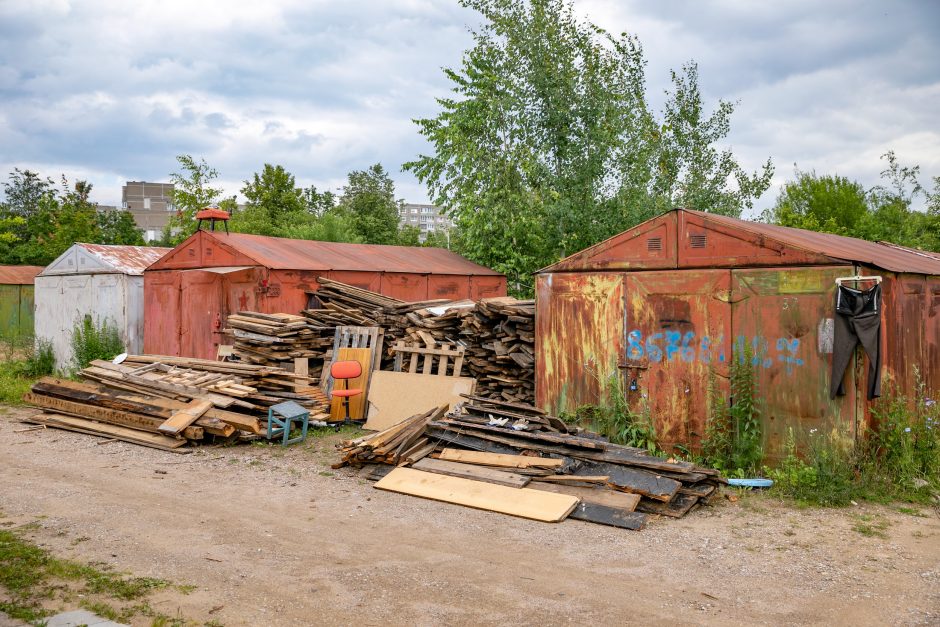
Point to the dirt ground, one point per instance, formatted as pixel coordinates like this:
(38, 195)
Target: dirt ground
(272, 536)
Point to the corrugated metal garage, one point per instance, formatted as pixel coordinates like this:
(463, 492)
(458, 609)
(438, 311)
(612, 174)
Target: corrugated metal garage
(104, 282)
(16, 300)
(192, 290)
(665, 304)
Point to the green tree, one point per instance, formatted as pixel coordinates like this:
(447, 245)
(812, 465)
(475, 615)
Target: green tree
(549, 145)
(24, 192)
(369, 200)
(319, 203)
(117, 226)
(826, 203)
(274, 203)
(409, 235)
(192, 191)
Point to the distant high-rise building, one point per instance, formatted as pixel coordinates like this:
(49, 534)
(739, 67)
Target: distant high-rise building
(428, 218)
(151, 204)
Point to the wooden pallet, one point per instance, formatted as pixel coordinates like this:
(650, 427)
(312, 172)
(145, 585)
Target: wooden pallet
(429, 354)
(372, 338)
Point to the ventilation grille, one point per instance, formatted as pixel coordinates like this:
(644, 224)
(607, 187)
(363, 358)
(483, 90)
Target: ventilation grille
(698, 240)
(654, 243)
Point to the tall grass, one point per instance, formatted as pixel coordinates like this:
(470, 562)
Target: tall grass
(91, 341)
(733, 439)
(897, 459)
(24, 361)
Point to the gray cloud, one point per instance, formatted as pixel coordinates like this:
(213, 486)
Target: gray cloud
(112, 91)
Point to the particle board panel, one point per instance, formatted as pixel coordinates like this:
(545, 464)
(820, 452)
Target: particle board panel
(522, 502)
(395, 396)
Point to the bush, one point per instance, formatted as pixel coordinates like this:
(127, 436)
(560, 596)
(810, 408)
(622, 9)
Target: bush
(39, 362)
(898, 459)
(91, 341)
(616, 421)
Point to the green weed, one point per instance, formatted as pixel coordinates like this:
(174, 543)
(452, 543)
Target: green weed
(93, 340)
(871, 526)
(615, 419)
(897, 460)
(733, 434)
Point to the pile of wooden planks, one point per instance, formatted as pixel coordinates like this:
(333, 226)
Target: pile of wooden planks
(404, 442)
(514, 445)
(271, 339)
(165, 402)
(501, 355)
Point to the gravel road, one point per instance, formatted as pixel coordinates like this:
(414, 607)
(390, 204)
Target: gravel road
(272, 536)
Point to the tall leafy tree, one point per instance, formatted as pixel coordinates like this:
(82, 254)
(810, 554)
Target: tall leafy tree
(274, 203)
(826, 203)
(548, 144)
(24, 192)
(369, 201)
(835, 204)
(192, 191)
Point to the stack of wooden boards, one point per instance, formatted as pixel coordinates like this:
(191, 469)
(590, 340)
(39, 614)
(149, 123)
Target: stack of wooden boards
(165, 402)
(270, 339)
(498, 334)
(516, 447)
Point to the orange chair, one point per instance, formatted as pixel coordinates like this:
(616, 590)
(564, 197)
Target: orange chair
(344, 371)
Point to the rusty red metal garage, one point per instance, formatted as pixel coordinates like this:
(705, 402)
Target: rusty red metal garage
(191, 290)
(664, 305)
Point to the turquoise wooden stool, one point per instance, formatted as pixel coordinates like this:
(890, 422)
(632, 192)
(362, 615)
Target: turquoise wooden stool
(282, 416)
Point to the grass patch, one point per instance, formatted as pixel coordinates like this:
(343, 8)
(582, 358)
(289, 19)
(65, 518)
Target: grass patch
(13, 385)
(898, 460)
(871, 526)
(34, 578)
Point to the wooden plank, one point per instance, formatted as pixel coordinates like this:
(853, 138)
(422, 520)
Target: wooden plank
(595, 495)
(575, 478)
(83, 425)
(497, 459)
(523, 502)
(185, 417)
(681, 505)
(611, 516)
(357, 404)
(634, 480)
(469, 471)
(395, 396)
(126, 419)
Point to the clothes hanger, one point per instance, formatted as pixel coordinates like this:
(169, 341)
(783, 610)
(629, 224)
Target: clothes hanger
(858, 277)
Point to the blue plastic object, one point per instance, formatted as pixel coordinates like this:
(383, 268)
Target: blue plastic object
(281, 416)
(751, 483)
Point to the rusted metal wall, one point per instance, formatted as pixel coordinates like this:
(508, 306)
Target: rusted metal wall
(678, 338)
(785, 317)
(579, 335)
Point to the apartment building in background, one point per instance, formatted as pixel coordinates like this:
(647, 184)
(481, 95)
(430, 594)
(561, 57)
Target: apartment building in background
(151, 204)
(428, 218)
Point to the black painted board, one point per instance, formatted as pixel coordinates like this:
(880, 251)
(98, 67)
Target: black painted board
(606, 515)
(633, 479)
(681, 505)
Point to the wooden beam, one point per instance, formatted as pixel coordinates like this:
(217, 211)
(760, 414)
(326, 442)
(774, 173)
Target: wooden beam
(469, 471)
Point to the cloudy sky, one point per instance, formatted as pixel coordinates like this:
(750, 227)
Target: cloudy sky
(110, 91)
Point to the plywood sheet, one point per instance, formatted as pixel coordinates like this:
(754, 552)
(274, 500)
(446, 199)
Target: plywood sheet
(395, 396)
(523, 502)
(356, 403)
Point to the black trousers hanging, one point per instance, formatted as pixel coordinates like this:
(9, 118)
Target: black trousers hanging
(857, 321)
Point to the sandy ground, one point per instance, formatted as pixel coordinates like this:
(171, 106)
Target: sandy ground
(272, 536)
